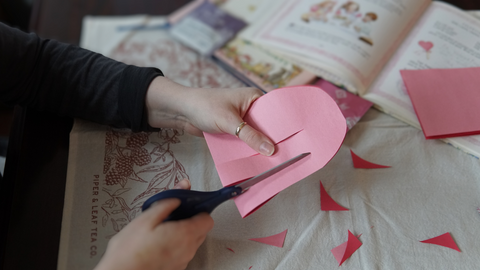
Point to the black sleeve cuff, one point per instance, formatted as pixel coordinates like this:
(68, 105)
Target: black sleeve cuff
(134, 84)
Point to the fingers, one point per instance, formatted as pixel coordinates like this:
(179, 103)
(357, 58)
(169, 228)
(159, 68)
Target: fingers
(252, 137)
(196, 228)
(202, 223)
(191, 129)
(256, 140)
(159, 212)
(183, 184)
(191, 231)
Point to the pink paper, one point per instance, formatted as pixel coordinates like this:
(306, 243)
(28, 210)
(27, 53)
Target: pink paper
(327, 203)
(307, 113)
(446, 101)
(345, 250)
(353, 107)
(445, 240)
(232, 172)
(274, 240)
(361, 163)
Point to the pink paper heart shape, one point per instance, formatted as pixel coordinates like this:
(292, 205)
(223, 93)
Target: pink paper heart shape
(297, 119)
(426, 45)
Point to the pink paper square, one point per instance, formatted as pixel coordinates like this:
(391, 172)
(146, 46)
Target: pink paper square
(446, 101)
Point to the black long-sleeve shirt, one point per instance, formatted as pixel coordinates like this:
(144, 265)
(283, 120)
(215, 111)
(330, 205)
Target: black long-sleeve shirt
(70, 81)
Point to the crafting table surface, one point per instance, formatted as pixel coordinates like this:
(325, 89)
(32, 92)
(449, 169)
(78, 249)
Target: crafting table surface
(34, 184)
(431, 189)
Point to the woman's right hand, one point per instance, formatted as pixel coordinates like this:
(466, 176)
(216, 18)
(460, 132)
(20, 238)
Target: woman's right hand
(149, 243)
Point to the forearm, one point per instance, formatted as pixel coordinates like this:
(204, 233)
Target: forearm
(71, 81)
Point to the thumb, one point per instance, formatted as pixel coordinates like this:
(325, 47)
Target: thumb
(255, 139)
(158, 212)
(183, 184)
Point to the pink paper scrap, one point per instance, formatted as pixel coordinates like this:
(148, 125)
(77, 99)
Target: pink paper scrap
(444, 240)
(361, 163)
(327, 203)
(297, 119)
(345, 250)
(274, 240)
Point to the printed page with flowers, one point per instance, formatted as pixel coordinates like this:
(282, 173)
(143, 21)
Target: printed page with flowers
(345, 42)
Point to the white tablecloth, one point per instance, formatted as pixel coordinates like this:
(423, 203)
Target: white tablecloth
(431, 188)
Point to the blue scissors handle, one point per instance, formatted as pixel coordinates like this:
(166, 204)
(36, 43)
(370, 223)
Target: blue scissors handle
(194, 202)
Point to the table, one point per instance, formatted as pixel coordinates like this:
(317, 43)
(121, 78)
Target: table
(32, 192)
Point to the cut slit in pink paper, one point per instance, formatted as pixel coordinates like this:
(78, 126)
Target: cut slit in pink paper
(244, 168)
(274, 240)
(445, 240)
(285, 116)
(345, 250)
(327, 203)
(360, 163)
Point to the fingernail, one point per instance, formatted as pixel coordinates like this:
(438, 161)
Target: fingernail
(267, 149)
(183, 184)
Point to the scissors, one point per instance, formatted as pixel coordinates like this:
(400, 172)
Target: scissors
(194, 202)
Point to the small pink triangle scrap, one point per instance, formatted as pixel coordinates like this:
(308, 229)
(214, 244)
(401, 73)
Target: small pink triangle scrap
(345, 250)
(327, 203)
(360, 163)
(445, 240)
(274, 240)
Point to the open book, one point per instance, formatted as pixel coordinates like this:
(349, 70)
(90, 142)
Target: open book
(249, 62)
(363, 44)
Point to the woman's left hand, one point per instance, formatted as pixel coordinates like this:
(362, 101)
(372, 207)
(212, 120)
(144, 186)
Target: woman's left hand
(211, 110)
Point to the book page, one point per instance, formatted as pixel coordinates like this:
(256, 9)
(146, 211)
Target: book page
(445, 37)
(355, 38)
(247, 10)
(259, 68)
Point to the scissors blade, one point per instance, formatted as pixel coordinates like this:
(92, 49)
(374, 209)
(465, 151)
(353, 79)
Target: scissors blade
(252, 181)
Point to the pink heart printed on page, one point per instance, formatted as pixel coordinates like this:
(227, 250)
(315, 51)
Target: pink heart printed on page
(297, 119)
(426, 45)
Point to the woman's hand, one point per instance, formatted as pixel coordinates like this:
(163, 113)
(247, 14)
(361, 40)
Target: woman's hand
(149, 243)
(212, 110)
